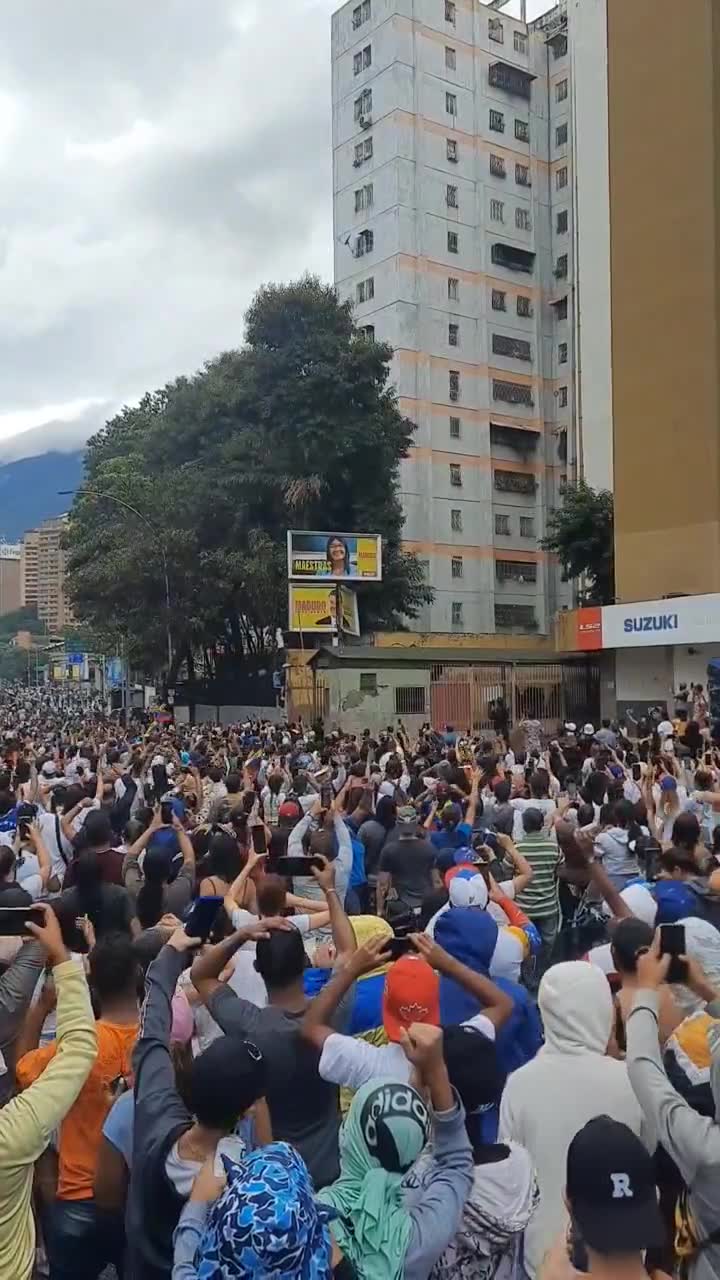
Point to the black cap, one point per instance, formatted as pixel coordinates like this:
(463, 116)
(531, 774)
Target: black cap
(473, 1067)
(611, 1189)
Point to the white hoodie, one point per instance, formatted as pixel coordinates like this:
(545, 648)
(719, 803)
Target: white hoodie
(569, 1082)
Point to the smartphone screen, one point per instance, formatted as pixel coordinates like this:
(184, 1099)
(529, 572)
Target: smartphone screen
(672, 943)
(326, 796)
(12, 920)
(259, 838)
(296, 866)
(166, 813)
(398, 947)
(200, 917)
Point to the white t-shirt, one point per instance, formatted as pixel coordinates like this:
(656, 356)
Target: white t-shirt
(353, 1063)
(245, 980)
(546, 806)
(49, 825)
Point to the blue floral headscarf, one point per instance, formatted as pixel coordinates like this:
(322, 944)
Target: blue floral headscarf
(267, 1224)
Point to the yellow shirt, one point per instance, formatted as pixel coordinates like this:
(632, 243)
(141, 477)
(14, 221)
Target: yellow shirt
(27, 1122)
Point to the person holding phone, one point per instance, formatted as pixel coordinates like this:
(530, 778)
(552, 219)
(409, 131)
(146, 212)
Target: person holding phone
(158, 888)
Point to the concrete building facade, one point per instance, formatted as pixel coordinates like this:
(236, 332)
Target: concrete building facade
(454, 234)
(43, 574)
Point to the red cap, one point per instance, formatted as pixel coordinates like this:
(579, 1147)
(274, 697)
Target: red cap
(412, 994)
(290, 809)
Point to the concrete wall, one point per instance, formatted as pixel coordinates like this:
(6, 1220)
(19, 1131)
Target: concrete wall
(354, 710)
(643, 677)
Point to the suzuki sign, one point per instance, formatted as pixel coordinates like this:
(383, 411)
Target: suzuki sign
(685, 620)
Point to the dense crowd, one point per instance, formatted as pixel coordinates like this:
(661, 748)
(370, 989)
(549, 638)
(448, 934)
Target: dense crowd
(278, 1002)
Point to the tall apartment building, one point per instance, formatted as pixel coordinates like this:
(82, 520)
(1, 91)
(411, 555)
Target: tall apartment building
(10, 577)
(454, 230)
(43, 574)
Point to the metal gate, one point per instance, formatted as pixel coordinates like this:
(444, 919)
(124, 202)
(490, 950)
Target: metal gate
(308, 695)
(550, 692)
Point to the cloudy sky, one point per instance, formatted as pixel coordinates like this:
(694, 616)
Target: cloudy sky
(159, 159)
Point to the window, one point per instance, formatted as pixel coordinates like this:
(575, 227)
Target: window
(497, 211)
(562, 222)
(524, 306)
(453, 289)
(498, 300)
(365, 243)
(522, 175)
(495, 30)
(451, 197)
(561, 135)
(514, 482)
(357, 64)
(364, 198)
(365, 290)
(454, 335)
(456, 475)
(454, 428)
(362, 13)
(512, 258)
(561, 267)
(452, 150)
(561, 178)
(560, 46)
(497, 121)
(452, 242)
(451, 104)
(367, 331)
(562, 352)
(456, 567)
(497, 166)
(515, 615)
(367, 56)
(502, 525)
(512, 348)
(457, 613)
(410, 700)
(561, 309)
(363, 151)
(522, 130)
(515, 571)
(563, 397)
(522, 220)
(363, 104)
(454, 384)
(520, 42)
(456, 520)
(450, 58)
(450, 11)
(512, 392)
(561, 90)
(503, 75)
(527, 527)
(368, 682)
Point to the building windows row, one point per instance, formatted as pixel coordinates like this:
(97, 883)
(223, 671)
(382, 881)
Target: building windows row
(515, 615)
(512, 392)
(523, 304)
(523, 221)
(511, 348)
(515, 571)
(362, 60)
(503, 528)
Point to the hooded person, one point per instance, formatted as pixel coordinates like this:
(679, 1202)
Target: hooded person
(568, 1083)
(515, 941)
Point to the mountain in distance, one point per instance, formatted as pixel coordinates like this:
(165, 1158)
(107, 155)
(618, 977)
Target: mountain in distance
(29, 489)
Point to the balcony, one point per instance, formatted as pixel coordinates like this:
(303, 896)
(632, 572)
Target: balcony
(515, 482)
(510, 617)
(512, 258)
(511, 348)
(518, 438)
(502, 75)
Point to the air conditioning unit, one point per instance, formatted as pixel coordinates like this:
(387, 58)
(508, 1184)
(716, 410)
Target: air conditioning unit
(365, 122)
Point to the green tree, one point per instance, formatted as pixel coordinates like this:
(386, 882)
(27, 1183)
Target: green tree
(580, 533)
(299, 429)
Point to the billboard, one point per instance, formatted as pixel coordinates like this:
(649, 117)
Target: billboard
(313, 608)
(346, 557)
(678, 620)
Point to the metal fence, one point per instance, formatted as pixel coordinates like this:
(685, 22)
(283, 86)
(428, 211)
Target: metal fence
(308, 695)
(550, 692)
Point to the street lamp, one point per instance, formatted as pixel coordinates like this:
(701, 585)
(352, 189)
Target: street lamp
(112, 497)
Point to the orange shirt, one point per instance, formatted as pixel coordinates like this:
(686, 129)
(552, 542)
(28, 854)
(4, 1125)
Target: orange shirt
(81, 1130)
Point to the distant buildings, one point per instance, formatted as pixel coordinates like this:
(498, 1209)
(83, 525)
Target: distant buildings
(43, 574)
(10, 577)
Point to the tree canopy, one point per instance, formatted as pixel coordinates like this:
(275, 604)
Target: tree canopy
(298, 429)
(580, 533)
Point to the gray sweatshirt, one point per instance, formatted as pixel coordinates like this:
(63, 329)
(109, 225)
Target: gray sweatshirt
(692, 1140)
(618, 860)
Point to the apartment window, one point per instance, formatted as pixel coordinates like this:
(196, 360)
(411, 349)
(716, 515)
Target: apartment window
(522, 175)
(453, 289)
(363, 104)
(561, 267)
(454, 384)
(511, 348)
(563, 397)
(451, 104)
(516, 615)
(456, 475)
(561, 90)
(367, 57)
(454, 335)
(527, 527)
(522, 130)
(561, 135)
(512, 392)
(561, 178)
(365, 243)
(497, 121)
(456, 520)
(450, 58)
(368, 682)
(560, 46)
(456, 567)
(452, 150)
(365, 290)
(451, 197)
(450, 11)
(497, 166)
(502, 525)
(364, 198)
(357, 64)
(362, 14)
(363, 151)
(514, 482)
(457, 613)
(498, 300)
(367, 331)
(454, 428)
(497, 211)
(562, 222)
(520, 42)
(522, 220)
(495, 30)
(561, 308)
(410, 700)
(452, 242)
(524, 306)
(562, 352)
(515, 571)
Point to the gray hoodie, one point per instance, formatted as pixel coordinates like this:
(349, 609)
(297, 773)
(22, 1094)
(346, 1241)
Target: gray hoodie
(619, 861)
(692, 1140)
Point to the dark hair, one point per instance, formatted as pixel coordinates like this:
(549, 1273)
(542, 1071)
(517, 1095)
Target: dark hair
(630, 937)
(223, 857)
(502, 791)
(215, 773)
(7, 861)
(686, 832)
(218, 1092)
(97, 830)
(386, 811)
(233, 782)
(539, 784)
(623, 813)
(585, 814)
(336, 538)
(7, 801)
(532, 820)
(678, 860)
(431, 903)
(113, 967)
(595, 788)
(156, 870)
(280, 959)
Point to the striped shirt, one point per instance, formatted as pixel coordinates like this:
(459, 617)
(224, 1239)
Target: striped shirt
(540, 898)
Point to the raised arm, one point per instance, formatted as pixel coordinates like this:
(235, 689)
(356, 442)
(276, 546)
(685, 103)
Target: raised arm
(471, 810)
(342, 930)
(496, 1004)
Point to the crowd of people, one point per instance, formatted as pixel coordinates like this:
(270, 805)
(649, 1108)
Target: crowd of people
(282, 1002)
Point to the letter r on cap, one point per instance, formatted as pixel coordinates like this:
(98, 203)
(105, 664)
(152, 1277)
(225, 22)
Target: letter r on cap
(621, 1186)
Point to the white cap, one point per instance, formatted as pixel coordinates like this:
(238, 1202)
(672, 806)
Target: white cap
(49, 769)
(570, 727)
(588, 730)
